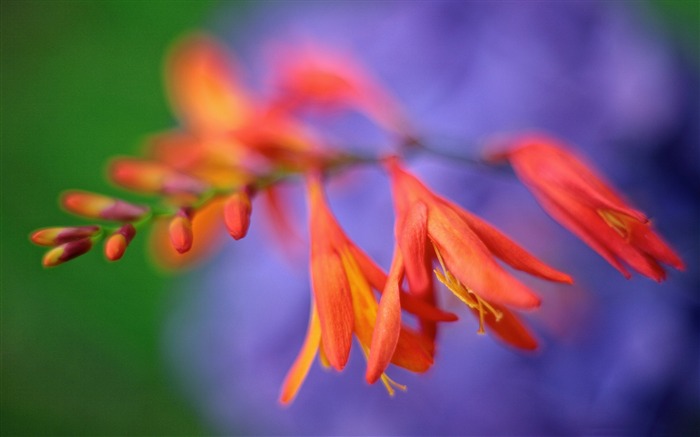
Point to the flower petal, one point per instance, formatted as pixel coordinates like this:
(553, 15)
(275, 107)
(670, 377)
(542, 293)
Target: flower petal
(415, 305)
(203, 87)
(334, 302)
(414, 351)
(470, 261)
(388, 323)
(412, 235)
(509, 251)
(297, 373)
(509, 328)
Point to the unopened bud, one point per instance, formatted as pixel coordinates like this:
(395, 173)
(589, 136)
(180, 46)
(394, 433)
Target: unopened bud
(66, 252)
(98, 206)
(153, 177)
(116, 244)
(180, 230)
(59, 235)
(237, 210)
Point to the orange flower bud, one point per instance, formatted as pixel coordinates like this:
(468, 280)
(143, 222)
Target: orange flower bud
(180, 230)
(116, 244)
(66, 252)
(59, 235)
(153, 177)
(237, 211)
(98, 206)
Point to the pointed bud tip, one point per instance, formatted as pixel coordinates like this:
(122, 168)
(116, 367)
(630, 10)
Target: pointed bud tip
(180, 230)
(115, 247)
(237, 210)
(66, 252)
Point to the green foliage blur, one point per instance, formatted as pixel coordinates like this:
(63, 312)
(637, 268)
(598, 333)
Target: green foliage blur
(82, 344)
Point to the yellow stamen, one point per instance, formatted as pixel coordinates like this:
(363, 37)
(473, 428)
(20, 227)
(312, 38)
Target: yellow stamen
(465, 294)
(389, 383)
(614, 221)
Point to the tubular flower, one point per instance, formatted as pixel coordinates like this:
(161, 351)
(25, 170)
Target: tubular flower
(466, 247)
(203, 86)
(342, 279)
(578, 198)
(321, 78)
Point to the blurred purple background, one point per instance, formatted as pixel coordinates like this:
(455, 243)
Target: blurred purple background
(617, 357)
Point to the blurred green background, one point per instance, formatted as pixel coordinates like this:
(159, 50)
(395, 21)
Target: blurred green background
(81, 344)
(82, 349)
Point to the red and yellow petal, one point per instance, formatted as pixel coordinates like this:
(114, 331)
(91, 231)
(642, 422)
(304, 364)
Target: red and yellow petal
(334, 302)
(297, 373)
(470, 261)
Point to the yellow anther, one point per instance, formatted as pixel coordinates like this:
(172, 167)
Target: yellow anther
(390, 385)
(614, 221)
(465, 294)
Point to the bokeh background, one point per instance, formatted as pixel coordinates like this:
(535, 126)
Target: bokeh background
(120, 349)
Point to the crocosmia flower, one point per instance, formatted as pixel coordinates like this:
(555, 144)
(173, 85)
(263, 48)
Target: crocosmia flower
(315, 77)
(203, 85)
(428, 226)
(578, 198)
(342, 279)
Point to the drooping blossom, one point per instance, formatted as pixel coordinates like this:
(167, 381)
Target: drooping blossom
(466, 247)
(204, 86)
(575, 195)
(343, 304)
(311, 76)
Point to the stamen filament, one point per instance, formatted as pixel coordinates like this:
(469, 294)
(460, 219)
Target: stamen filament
(389, 383)
(465, 294)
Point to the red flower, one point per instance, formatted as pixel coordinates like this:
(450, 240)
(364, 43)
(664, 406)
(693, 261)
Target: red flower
(430, 227)
(343, 304)
(578, 198)
(312, 76)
